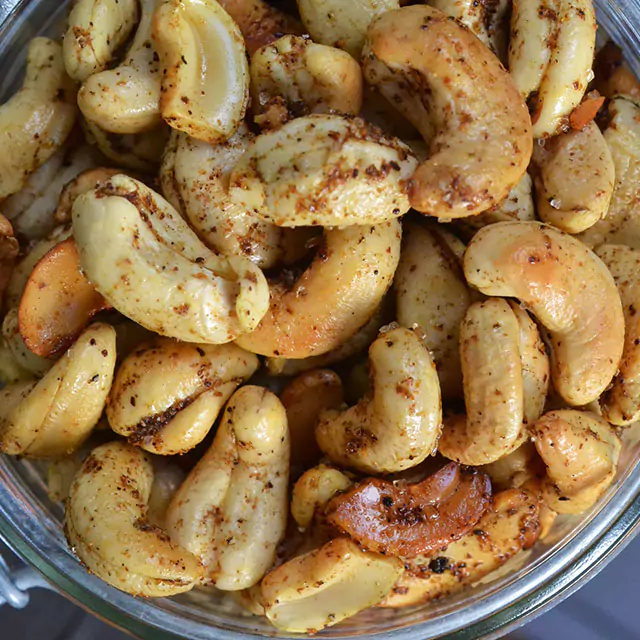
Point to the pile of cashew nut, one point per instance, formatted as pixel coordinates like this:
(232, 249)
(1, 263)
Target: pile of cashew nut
(328, 309)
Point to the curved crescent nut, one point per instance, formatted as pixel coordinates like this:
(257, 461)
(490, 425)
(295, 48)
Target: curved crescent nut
(323, 587)
(567, 287)
(399, 425)
(231, 511)
(126, 99)
(54, 416)
(167, 395)
(325, 170)
(510, 525)
(35, 121)
(574, 178)
(23, 357)
(550, 56)
(195, 179)
(106, 526)
(334, 297)
(58, 302)
(621, 402)
(415, 519)
(581, 452)
(431, 292)
(144, 259)
(205, 73)
(435, 71)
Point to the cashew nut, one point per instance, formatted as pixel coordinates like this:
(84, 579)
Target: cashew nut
(436, 72)
(550, 56)
(338, 294)
(574, 179)
(205, 73)
(231, 511)
(612, 76)
(567, 287)
(167, 479)
(144, 259)
(26, 359)
(325, 170)
(126, 99)
(35, 121)
(325, 586)
(95, 31)
(11, 370)
(54, 416)
(9, 249)
(399, 425)
(166, 395)
(107, 527)
(581, 452)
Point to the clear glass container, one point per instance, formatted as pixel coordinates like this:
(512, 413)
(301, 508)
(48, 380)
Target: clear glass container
(576, 550)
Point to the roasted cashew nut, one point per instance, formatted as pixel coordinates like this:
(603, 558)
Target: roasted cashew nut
(574, 179)
(9, 249)
(324, 170)
(399, 425)
(581, 452)
(550, 56)
(569, 290)
(35, 121)
(436, 72)
(325, 586)
(126, 99)
(231, 511)
(24, 358)
(612, 76)
(54, 416)
(205, 74)
(107, 526)
(144, 259)
(167, 395)
(338, 294)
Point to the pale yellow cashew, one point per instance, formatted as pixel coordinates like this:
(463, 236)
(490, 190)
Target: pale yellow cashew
(231, 511)
(324, 170)
(567, 287)
(436, 72)
(107, 527)
(26, 359)
(574, 179)
(399, 425)
(95, 31)
(550, 57)
(144, 259)
(35, 121)
(621, 402)
(581, 452)
(126, 99)
(431, 292)
(325, 586)
(52, 417)
(167, 395)
(205, 73)
(167, 479)
(338, 294)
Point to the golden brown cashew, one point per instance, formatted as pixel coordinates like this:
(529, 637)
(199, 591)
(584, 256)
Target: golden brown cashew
(581, 452)
(436, 72)
(35, 121)
(550, 56)
(166, 395)
(205, 74)
(95, 31)
(431, 292)
(399, 425)
(144, 259)
(569, 290)
(324, 170)
(325, 586)
(621, 402)
(231, 511)
(574, 178)
(107, 527)
(54, 416)
(126, 99)
(338, 293)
